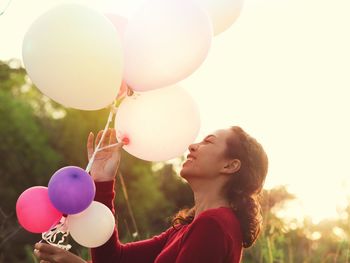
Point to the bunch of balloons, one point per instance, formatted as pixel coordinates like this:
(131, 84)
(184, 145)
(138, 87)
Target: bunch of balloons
(70, 193)
(80, 58)
(83, 59)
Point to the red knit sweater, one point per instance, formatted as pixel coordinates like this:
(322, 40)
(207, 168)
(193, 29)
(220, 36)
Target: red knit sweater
(214, 236)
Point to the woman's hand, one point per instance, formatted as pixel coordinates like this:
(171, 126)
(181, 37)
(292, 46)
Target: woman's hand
(50, 254)
(106, 161)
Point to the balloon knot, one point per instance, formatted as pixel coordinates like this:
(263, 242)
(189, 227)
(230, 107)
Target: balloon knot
(126, 140)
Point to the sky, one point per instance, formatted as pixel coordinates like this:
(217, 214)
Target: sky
(281, 72)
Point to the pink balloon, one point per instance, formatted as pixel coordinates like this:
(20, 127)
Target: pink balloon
(34, 210)
(165, 42)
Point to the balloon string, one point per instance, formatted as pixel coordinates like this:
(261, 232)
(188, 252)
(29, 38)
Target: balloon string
(125, 192)
(61, 228)
(109, 146)
(109, 120)
(52, 235)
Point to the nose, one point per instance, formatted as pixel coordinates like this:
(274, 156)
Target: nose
(193, 147)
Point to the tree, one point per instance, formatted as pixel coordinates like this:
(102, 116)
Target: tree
(27, 158)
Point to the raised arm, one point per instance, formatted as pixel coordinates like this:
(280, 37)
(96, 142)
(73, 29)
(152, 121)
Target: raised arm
(103, 171)
(114, 251)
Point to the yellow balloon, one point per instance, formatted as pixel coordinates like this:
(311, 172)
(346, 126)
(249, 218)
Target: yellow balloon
(73, 54)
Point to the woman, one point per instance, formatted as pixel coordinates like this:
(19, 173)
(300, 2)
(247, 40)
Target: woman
(226, 172)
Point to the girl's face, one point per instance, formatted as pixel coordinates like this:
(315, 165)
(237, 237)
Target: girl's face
(207, 158)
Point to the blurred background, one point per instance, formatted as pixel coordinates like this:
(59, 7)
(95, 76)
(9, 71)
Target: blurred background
(281, 72)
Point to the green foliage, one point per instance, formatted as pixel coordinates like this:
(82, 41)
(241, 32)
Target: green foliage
(280, 243)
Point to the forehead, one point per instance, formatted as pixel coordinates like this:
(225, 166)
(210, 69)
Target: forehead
(222, 133)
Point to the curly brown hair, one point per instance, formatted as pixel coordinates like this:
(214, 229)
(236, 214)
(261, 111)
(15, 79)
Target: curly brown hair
(243, 190)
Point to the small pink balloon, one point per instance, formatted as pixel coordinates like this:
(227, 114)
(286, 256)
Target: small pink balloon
(35, 213)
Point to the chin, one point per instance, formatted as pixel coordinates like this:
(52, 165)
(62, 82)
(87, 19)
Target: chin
(183, 173)
(186, 173)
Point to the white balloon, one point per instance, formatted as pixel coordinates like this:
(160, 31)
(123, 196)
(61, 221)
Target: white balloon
(93, 227)
(165, 42)
(73, 54)
(222, 12)
(158, 124)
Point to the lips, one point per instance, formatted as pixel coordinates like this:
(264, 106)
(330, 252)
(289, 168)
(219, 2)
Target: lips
(190, 158)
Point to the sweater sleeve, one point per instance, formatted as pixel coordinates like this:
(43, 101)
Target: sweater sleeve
(113, 251)
(206, 242)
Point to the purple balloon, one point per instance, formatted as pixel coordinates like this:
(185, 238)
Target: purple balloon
(71, 190)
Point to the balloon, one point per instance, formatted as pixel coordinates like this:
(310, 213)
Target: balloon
(165, 42)
(120, 23)
(92, 227)
(35, 213)
(222, 12)
(71, 190)
(159, 124)
(74, 56)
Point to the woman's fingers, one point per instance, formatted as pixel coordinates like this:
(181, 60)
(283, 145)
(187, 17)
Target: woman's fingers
(105, 139)
(98, 138)
(90, 145)
(46, 248)
(110, 139)
(43, 256)
(116, 147)
(51, 254)
(113, 137)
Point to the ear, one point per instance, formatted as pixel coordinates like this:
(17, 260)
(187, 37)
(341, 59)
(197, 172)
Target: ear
(231, 166)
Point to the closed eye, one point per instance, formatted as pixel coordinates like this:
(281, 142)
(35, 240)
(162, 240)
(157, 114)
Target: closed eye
(208, 139)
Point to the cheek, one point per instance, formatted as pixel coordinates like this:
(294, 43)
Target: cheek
(207, 166)
(210, 167)
(211, 163)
